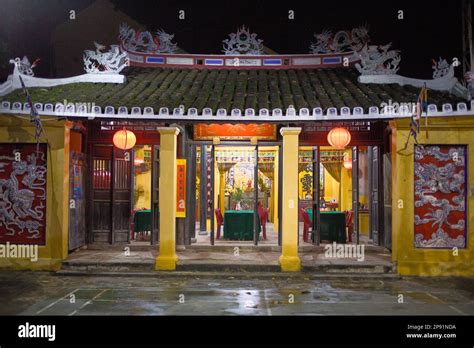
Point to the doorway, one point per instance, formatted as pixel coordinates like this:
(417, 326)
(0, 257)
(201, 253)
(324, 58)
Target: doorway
(344, 189)
(236, 198)
(124, 193)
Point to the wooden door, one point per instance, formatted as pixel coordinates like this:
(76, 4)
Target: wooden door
(111, 195)
(101, 194)
(355, 194)
(121, 195)
(77, 211)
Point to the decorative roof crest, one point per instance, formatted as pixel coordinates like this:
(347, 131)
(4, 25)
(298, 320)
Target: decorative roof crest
(342, 41)
(146, 42)
(243, 42)
(378, 60)
(111, 62)
(24, 66)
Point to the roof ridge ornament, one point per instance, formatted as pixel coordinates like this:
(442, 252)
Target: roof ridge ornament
(110, 62)
(145, 41)
(343, 41)
(24, 66)
(378, 60)
(374, 69)
(242, 42)
(441, 68)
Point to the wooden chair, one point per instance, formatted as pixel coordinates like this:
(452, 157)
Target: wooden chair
(349, 224)
(132, 224)
(220, 222)
(306, 225)
(263, 216)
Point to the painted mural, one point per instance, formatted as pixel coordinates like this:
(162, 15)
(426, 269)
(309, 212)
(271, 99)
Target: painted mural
(23, 193)
(440, 196)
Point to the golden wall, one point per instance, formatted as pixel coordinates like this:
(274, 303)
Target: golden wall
(21, 130)
(418, 261)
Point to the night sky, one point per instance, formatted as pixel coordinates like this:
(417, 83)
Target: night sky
(429, 29)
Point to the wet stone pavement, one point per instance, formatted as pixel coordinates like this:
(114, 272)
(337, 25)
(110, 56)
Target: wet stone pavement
(40, 293)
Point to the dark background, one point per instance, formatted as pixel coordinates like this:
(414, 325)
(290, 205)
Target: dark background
(430, 29)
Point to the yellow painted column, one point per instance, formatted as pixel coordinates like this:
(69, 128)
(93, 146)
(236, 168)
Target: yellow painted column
(167, 258)
(276, 213)
(289, 259)
(222, 191)
(217, 183)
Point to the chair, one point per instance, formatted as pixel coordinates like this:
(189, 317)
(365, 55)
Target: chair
(306, 225)
(220, 222)
(349, 224)
(263, 216)
(132, 224)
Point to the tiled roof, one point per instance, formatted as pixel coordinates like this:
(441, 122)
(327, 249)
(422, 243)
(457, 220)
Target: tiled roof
(233, 89)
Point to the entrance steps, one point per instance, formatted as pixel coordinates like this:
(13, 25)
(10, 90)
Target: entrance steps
(219, 260)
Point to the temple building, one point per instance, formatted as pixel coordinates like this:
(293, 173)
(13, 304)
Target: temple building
(153, 147)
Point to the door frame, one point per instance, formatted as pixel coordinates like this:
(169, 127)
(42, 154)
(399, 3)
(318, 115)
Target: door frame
(241, 143)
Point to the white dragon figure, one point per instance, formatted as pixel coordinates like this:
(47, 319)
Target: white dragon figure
(105, 62)
(146, 42)
(378, 60)
(342, 41)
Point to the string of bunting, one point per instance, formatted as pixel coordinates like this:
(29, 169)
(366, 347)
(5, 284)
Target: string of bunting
(421, 107)
(34, 116)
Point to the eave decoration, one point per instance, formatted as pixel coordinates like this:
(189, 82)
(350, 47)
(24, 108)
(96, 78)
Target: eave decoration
(380, 65)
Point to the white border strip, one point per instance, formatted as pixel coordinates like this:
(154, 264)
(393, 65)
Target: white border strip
(256, 118)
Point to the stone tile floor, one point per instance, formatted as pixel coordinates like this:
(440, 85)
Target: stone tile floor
(40, 293)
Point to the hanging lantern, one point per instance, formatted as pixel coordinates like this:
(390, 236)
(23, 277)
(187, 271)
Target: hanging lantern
(124, 139)
(339, 137)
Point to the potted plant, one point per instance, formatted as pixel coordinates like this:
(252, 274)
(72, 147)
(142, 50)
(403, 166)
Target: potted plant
(237, 197)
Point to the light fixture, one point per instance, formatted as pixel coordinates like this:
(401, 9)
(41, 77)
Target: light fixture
(347, 164)
(124, 139)
(339, 137)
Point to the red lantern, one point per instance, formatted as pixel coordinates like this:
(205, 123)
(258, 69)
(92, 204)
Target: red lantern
(124, 139)
(339, 137)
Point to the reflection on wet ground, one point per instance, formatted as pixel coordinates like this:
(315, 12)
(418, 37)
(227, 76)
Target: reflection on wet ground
(48, 294)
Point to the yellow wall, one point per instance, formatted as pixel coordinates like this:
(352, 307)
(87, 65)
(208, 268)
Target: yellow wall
(346, 190)
(417, 261)
(331, 187)
(16, 130)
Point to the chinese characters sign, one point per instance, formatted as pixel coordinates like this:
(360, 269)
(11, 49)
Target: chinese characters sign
(440, 196)
(181, 188)
(23, 193)
(263, 131)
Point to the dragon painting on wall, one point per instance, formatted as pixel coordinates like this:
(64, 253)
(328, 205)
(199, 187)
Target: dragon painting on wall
(440, 196)
(23, 193)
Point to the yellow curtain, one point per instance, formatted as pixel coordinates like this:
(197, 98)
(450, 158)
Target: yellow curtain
(334, 169)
